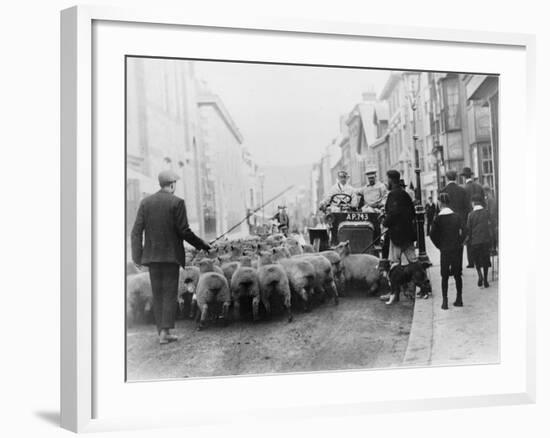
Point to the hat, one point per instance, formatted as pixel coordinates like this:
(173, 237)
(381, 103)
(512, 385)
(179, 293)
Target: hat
(370, 170)
(393, 174)
(451, 174)
(467, 172)
(167, 177)
(342, 173)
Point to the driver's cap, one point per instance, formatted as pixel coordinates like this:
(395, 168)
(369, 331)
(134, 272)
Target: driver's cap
(372, 169)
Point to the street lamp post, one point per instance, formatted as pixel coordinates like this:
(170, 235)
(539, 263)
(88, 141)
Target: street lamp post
(437, 152)
(413, 81)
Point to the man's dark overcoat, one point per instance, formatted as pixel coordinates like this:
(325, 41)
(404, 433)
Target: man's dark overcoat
(400, 217)
(160, 228)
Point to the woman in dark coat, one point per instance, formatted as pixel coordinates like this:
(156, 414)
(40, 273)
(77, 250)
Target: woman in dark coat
(479, 235)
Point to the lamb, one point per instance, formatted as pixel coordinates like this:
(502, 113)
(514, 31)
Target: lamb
(293, 246)
(337, 269)
(187, 285)
(212, 289)
(208, 265)
(300, 274)
(139, 298)
(229, 268)
(359, 267)
(273, 280)
(245, 285)
(324, 279)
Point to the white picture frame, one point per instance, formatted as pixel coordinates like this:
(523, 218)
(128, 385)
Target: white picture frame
(79, 364)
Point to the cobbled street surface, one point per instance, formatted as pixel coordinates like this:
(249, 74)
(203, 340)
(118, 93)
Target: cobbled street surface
(361, 332)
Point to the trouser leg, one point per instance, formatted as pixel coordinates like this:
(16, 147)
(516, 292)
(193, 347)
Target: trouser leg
(155, 275)
(444, 290)
(458, 283)
(170, 294)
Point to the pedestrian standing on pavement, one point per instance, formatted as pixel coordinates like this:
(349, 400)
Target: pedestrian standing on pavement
(479, 236)
(458, 200)
(447, 235)
(160, 228)
(430, 215)
(472, 188)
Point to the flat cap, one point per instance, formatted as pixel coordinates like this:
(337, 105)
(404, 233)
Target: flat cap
(167, 177)
(342, 173)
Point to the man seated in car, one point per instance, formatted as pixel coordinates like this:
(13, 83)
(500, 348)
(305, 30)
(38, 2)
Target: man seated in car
(374, 195)
(340, 195)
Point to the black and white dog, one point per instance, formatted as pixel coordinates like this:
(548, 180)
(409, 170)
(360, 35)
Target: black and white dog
(405, 279)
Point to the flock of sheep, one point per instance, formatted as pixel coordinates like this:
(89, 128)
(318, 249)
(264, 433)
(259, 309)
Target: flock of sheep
(255, 274)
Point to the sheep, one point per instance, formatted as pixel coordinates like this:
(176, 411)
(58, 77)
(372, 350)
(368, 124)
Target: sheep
(337, 269)
(273, 280)
(212, 289)
(359, 267)
(300, 273)
(324, 279)
(208, 265)
(307, 248)
(293, 246)
(187, 285)
(244, 285)
(229, 268)
(139, 298)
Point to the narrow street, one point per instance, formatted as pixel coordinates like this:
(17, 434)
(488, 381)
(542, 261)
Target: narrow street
(361, 332)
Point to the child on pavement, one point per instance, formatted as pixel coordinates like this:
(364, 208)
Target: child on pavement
(447, 234)
(479, 236)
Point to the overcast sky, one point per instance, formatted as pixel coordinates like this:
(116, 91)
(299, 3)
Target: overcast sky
(286, 113)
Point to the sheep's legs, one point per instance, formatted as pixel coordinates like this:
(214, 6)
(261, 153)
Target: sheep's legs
(201, 316)
(225, 314)
(331, 287)
(256, 307)
(236, 308)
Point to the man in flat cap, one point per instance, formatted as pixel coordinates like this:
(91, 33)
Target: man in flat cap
(282, 217)
(160, 228)
(374, 195)
(340, 188)
(459, 202)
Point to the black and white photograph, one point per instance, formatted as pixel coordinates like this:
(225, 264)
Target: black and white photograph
(287, 218)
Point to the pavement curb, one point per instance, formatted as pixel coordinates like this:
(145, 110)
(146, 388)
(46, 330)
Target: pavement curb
(419, 348)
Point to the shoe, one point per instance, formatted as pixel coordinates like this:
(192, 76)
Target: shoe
(480, 282)
(457, 303)
(470, 266)
(385, 297)
(171, 338)
(445, 305)
(486, 283)
(393, 299)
